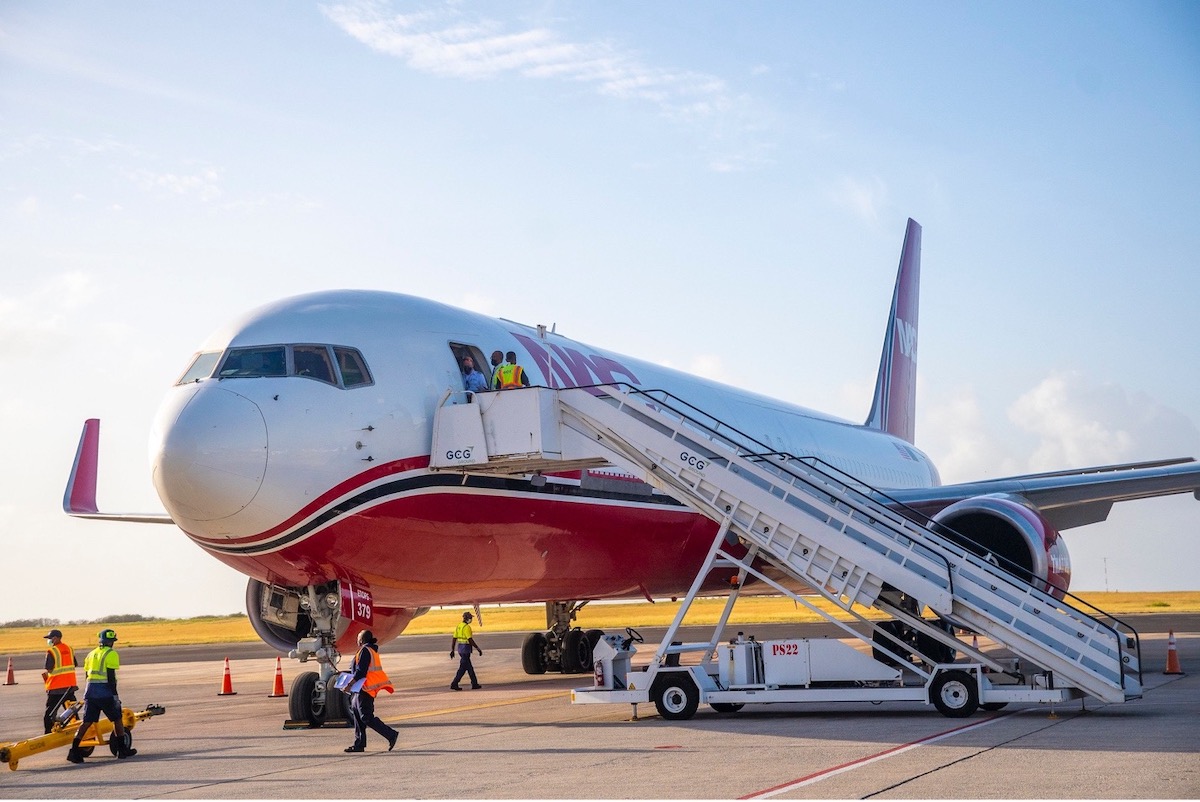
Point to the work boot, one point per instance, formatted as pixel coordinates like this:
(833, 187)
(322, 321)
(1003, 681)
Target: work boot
(73, 755)
(125, 751)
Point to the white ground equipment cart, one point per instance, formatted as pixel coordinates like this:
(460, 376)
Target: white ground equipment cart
(813, 526)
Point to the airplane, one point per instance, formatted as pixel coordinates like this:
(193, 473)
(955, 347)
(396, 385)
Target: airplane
(295, 448)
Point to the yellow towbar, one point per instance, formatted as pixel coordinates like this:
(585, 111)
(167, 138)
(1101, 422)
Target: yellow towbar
(64, 733)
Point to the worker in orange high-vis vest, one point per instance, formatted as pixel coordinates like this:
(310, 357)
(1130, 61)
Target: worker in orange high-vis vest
(368, 679)
(510, 374)
(59, 676)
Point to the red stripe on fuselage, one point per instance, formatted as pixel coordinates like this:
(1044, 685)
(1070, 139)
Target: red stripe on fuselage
(436, 547)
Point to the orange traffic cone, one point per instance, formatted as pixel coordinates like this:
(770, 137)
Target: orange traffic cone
(1173, 666)
(975, 642)
(12, 680)
(227, 682)
(278, 692)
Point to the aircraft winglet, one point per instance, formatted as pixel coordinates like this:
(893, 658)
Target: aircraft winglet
(79, 499)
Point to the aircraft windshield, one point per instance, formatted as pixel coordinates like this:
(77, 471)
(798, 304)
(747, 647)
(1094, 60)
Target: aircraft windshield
(335, 365)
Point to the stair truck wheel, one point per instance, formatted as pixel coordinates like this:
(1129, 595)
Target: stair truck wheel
(992, 707)
(725, 707)
(955, 694)
(576, 653)
(675, 695)
(533, 653)
(302, 704)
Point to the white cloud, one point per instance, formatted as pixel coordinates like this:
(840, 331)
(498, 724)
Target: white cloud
(444, 43)
(1079, 423)
(203, 183)
(864, 197)
(38, 320)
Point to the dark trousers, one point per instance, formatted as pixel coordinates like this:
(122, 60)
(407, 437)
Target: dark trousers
(362, 710)
(464, 665)
(52, 701)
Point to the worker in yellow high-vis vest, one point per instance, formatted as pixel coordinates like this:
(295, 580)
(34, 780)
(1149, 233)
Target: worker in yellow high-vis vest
(59, 676)
(463, 643)
(100, 696)
(510, 374)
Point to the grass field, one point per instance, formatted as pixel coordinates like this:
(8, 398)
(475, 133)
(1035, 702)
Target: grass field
(527, 618)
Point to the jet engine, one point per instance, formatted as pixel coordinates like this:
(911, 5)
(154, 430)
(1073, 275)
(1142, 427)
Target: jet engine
(1006, 531)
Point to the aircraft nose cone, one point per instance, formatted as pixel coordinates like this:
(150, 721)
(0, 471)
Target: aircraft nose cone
(212, 458)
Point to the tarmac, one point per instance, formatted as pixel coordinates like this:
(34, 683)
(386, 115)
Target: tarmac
(519, 737)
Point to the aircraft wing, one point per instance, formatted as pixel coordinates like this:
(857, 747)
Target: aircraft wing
(1070, 498)
(79, 499)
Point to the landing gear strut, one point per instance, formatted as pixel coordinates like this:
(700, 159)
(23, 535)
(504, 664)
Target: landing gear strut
(562, 647)
(313, 698)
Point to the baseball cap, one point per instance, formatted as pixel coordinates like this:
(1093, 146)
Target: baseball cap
(54, 633)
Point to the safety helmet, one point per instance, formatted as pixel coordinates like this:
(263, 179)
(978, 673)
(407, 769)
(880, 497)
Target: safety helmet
(107, 637)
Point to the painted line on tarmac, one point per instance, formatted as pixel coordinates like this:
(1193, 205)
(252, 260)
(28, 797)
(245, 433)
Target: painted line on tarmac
(824, 774)
(481, 706)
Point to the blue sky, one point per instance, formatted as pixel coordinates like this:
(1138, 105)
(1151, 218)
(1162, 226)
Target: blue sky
(719, 187)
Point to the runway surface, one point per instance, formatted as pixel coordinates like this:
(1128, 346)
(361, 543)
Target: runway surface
(519, 737)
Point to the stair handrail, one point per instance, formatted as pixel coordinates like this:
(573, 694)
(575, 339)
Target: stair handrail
(663, 399)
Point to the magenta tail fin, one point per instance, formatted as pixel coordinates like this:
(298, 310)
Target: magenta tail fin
(894, 408)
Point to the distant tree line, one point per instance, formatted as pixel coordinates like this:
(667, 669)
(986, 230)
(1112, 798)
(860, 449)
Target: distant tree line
(127, 618)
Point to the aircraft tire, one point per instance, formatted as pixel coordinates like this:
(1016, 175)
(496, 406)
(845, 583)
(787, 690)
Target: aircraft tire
(675, 695)
(955, 694)
(533, 653)
(301, 704)
(576, 653)
(896, 628)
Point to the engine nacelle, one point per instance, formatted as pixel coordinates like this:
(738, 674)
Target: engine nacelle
(281, 617)
(1016, 536)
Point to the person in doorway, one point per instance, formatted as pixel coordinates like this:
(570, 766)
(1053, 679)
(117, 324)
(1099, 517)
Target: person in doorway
(497, 361)
(510, 374)
(59, 676)
(463, 643)
(100, 696)
(473, 380)
(367, 680)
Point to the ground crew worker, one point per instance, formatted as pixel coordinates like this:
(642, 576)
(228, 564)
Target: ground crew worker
(367, 679)
(59, 676)
(510, 374)
(100, 696)
(497, 361)
(463, 643)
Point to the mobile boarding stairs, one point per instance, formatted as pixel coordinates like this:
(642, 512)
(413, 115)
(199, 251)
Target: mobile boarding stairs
(822, 530)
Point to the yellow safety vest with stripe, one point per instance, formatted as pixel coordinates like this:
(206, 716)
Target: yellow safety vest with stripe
(376, 680)
(509, 375)
(462, 632)
(62, 676)
(99, 661)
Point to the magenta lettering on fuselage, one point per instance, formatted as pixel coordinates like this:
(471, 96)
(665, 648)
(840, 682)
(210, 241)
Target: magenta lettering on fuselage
(572, 369)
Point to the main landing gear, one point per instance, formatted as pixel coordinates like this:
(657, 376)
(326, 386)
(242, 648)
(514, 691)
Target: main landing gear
(562, 647)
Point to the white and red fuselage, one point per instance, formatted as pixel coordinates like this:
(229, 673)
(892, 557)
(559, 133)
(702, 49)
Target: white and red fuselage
(297, 481)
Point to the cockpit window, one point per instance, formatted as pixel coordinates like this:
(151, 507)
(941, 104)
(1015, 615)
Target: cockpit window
(254, 362)
(312, 361)
(325, 363)
(354, 369)
(201, 367)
